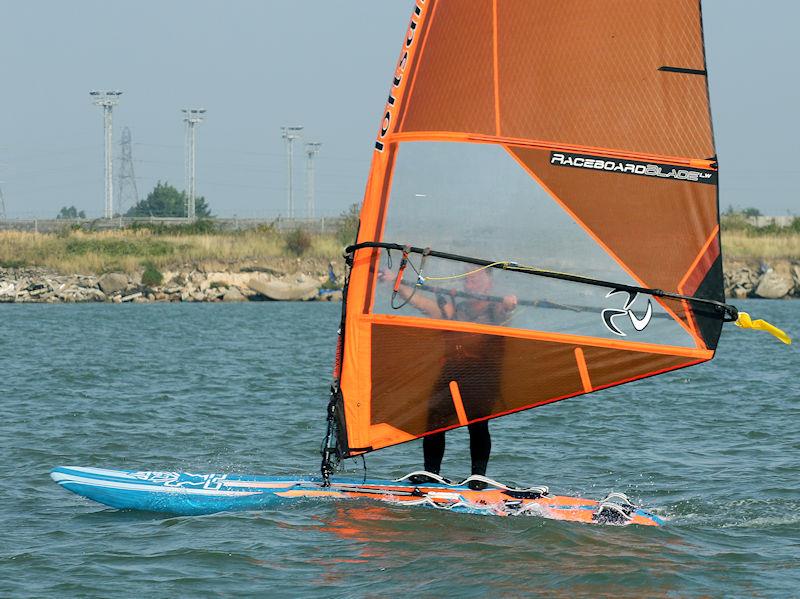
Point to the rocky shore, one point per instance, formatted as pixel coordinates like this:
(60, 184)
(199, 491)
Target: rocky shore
(28, 285)
(777, 280)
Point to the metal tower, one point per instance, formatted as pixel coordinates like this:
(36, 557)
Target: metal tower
(290, 134)
(107, 100)
(128, 196)
(312, 149)
(2, 206)
(193, 117)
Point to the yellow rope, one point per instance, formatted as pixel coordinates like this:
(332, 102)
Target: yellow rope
(466, 274)
(505, 264)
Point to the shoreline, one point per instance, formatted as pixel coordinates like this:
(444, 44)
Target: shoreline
(750, 278)
(35, 285)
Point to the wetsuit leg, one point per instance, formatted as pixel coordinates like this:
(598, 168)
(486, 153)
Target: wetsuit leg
(433, 452)
(480, 446)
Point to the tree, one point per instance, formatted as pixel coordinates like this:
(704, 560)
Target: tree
(165, 200)
(751, 212)
(70, 213)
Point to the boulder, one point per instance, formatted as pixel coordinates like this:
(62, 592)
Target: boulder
(331, 295)
(796, 278)
(284, 290)
(8, 290)
(113, 282)
(232, 294)
(773, 286)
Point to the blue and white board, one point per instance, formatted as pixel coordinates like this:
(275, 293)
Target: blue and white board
(194, 494)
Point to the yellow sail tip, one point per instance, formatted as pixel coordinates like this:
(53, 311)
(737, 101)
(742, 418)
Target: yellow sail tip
(745, 322)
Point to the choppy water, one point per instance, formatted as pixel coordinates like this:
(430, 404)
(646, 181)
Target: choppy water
(210, 387)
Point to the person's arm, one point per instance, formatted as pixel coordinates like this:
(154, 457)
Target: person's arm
(502, 310)
(421, 302)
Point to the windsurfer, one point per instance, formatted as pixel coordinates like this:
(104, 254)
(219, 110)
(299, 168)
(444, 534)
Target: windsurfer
(465, 364)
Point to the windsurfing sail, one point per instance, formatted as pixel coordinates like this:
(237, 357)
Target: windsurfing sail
(540, 220)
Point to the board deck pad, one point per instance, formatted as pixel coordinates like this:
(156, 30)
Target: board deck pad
(183, 493)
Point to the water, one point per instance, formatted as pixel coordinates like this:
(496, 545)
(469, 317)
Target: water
(210, 387)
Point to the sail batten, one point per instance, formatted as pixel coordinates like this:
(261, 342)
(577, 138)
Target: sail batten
(455, 136)
(572, 136)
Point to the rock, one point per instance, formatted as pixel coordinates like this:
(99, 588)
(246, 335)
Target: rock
(773, 286)
(334, 295)
(232, 294)
(7, 291)
(796, 278)
(214, 294)
(283, 290)
(132, 296)
(113, 282)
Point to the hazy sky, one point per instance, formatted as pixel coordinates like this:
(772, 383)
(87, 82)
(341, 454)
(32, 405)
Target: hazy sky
(258, 65)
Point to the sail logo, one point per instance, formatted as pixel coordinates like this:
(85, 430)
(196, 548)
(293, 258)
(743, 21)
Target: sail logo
(399, 74)
(639, 323)
(633, 167)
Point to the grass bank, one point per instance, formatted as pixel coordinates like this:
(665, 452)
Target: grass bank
(749, 245)
(129, 250)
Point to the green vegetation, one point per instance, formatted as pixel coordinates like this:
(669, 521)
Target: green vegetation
(740, 221)
(203, 226)
(743, 240)
(166, 201)
(298, 242)
(70, 213)
(157, 248)
(348, 226)
(151, 277)
(128, 250)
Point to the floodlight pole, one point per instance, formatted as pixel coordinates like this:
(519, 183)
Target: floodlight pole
(290, 134)
(312, 149)
(107, 100)
(193, 117)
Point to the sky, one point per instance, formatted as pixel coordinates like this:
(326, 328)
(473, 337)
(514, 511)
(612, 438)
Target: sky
(257, 65)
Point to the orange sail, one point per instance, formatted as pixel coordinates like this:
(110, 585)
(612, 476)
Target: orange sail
(540, 220)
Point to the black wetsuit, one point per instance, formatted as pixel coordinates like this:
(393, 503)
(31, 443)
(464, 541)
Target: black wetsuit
(468, 368)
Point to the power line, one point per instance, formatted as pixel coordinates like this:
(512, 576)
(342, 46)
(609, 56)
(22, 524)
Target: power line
(126, 183)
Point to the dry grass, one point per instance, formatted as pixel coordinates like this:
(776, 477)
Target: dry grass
(752, 245)
(127, 250)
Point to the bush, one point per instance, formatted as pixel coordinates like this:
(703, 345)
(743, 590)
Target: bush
(348, 226)
(151, 277)
(298, 242)
(202, 226)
